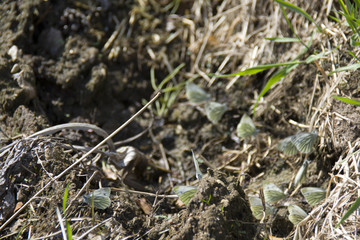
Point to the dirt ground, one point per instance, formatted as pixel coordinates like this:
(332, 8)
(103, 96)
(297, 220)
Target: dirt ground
(92, 62)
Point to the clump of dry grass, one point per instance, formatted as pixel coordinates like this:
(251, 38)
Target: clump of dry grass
(320, 224)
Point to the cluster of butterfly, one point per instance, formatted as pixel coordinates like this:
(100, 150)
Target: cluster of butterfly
(213, 110)
(301, 142)
(274, 194)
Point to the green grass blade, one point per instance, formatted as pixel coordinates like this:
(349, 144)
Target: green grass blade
(346, 68)
(312, 58)
(349, 18)
(66, 194)
(357, 3)
(348, 100)
(283, 72)
(172, 98)
(152, 79)
(171, 75)
(68, 230)
(171, 88)
(344, 8)
(297, 10)
(354, 40)
(274, 79)
(291, 26)
(288, 21)
(20, 232)
(352, 209)
(353, 19)
(283, 39)
(171, 92)
(257, 69)
(334, 18)
(353, 55)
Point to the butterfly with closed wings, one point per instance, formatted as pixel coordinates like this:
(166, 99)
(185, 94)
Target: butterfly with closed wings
(100, 198)
(246, 127)
(214, 111)
(196, 94)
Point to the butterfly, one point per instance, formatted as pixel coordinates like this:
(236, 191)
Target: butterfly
(198, 173)
(195, 93)
(301, 174)
(305, 141)
(272, 193)
(296, 214)
(246, 127)
(287, 146)
(257, 208)
(214, 111)
(99, 198)
(313, 195)
(185, 193)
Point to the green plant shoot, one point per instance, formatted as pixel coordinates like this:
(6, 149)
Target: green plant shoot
(348, 100)
(352, 209)
(66, 194)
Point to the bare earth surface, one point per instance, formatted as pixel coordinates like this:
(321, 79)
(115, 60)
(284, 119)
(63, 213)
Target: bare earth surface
(92, 62)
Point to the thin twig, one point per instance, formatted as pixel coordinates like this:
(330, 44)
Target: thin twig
(73, 126)
(144, 193)
(97, 225)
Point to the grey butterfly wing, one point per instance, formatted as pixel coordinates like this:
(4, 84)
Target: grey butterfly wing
(301, 174)
(214, 111)
(246, 127)
(296, 214)
(272, 193)
(100, 198)
(257, 208)
(313, 195)
(102, 202)
(195, 93)
(102, 192)
(286, 146)
(179, 190)
(305, 141)
(185, 193)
